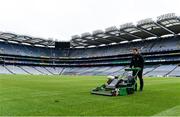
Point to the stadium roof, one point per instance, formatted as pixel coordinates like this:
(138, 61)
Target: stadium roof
(10, 37)
(168, 24)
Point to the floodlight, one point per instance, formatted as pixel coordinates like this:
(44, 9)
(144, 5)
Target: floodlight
(96, 32)
(75, 37)
(145, 21)
(111, 29)
(127, 25)
(86, 34)
(166, 16)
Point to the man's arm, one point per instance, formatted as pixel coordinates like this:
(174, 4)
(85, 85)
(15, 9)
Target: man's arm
(142, 61)
(132, 63)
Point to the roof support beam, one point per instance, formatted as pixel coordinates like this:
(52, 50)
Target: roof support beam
(98, 41)
(130, 34)
(121, 39)
(77, 44)
(26, 41)
(39, 42)
(147, 31)
(95, 36)
(50, 42)
(165, 28)
(11, 38)
(91, 40)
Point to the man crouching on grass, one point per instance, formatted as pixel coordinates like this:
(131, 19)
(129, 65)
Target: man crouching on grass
(138, 61)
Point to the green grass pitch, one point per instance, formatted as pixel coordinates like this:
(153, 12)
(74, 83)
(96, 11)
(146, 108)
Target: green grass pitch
(42, 95)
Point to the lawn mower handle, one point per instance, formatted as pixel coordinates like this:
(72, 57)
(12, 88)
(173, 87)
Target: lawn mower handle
(133, 69)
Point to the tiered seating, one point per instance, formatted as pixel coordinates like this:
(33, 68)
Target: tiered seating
(166, 44)
(103, 70)
(155, 45)
(6, 48)
(112, 70)
(161, 71)
(16, 69)
(90, 71)
(54, 70)
(175, 72)
(171, 43)
(43, 70)
(119, 71)
(31, 70)
(155, 71)
(3, 70)
(148, 69)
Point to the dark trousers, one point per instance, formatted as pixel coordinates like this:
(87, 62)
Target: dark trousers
(140, 74)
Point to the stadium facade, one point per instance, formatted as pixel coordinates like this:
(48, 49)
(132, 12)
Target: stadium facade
(100, 53)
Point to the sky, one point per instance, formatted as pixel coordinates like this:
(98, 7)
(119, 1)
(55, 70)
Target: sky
(60, 19)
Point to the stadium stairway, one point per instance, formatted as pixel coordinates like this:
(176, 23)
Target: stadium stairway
(117, 70)
(62, 71)
(49, 71)
(8, 69)
(105, 71)
(90, 71)
(39, 71)
(86, 69)
(31, 70)
(175, 72)
(66, 71)
(150, 69)
(101, 71)
(43, 70)
(16, 69)
(3, 70)
(171, 71)
(161, 71)
(25, 70)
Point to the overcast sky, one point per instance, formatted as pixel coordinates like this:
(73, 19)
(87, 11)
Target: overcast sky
(60, 19)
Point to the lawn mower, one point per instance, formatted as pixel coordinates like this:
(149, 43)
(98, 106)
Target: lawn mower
(119, 85)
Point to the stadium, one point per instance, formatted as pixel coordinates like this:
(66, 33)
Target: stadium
(41, 77)
(100, 53)
(89, 58)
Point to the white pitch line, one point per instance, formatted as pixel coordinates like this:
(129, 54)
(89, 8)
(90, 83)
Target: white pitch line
(174, 111)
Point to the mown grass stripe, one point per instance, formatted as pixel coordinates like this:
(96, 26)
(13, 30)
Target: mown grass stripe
(22, 95)
(174, 111)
